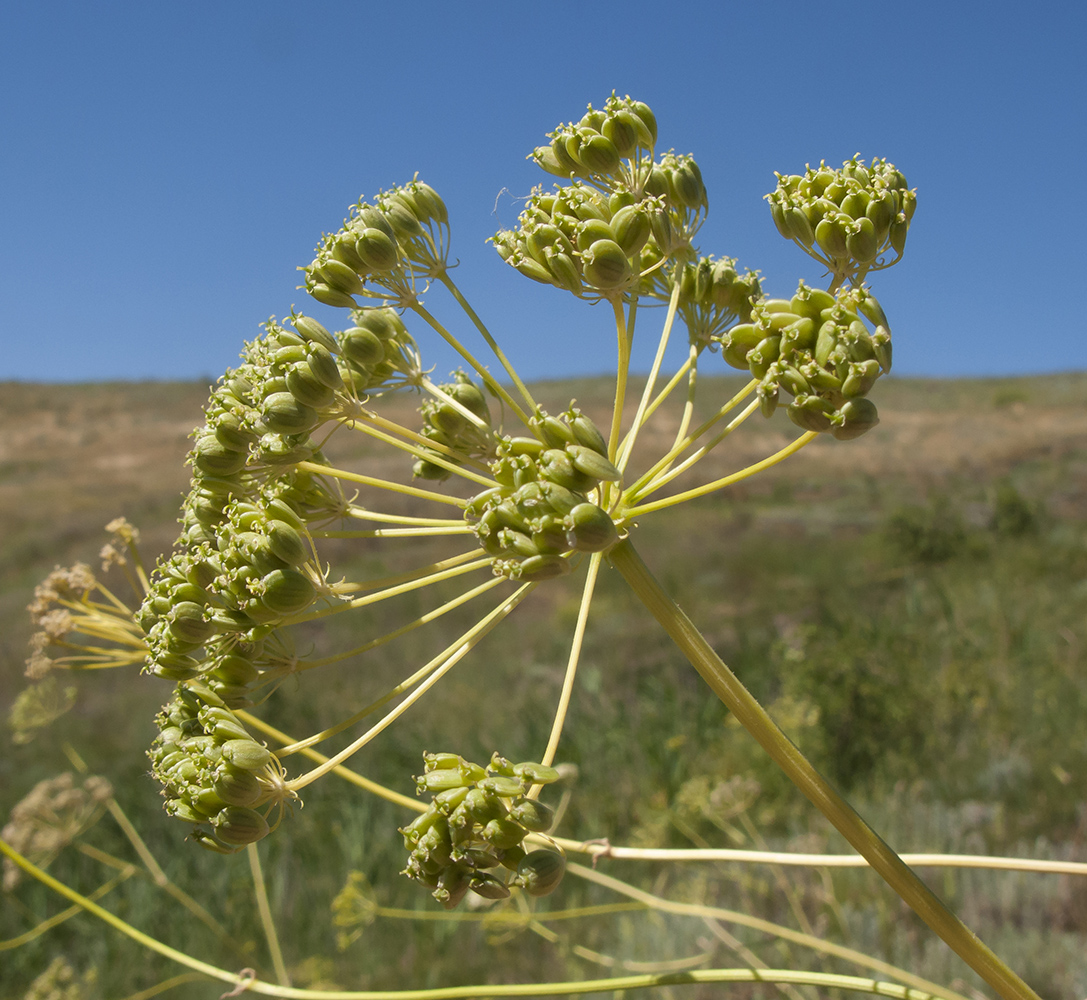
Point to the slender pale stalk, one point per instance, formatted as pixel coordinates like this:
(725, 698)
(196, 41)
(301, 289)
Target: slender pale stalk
(260, 893)
(647, 393)
(717, 484)
(381, 484)
(621, 376)
(381, 583)
(703, 911)
(362, 514)
(491, 343)
(430, 616)
(391, 427)
(667, 475)
(727, 686)
(571, 664)
(447, 658)
(481, 369)
(457, 529)
(428, 452)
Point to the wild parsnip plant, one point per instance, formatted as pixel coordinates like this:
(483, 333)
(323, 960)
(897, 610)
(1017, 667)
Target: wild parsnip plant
(523, 498)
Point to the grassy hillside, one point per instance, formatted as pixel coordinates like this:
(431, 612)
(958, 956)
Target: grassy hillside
(912, 606)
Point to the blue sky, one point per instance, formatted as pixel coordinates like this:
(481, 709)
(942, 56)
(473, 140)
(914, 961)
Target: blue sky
(165, 167)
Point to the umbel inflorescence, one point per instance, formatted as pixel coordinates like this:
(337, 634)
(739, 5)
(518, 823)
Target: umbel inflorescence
(520, 495)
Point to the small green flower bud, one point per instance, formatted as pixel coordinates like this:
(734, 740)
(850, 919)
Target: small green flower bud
(540, 872)
(286, 591)
(245, 754)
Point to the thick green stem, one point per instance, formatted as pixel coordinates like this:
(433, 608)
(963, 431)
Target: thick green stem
(727, 686)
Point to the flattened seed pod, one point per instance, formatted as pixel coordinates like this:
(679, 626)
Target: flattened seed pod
(605, 265)
(363, 347)
(533, 815)
(857, 416)
(245, 754)
(812, 413)
(307, 389)
(377, 249)
(592, 463)
(310, 330)
(283, 414)
(590, 529)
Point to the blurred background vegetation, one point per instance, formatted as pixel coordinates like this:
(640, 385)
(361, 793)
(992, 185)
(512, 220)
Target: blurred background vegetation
(912, 607)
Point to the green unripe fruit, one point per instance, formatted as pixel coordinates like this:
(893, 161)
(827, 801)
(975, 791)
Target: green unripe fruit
(767, 394)
(605, 265)
(235, 670)
(538, 568)
(286, 591)
(283, 414)
(533, 815)
(452, 886)
(831, 235)
(632, 228)
(812, 413)
(323, 367)
(308, 390)
(488, 886)
(540, 872)
(591, 230)
(401, 218)
(563, 269)
(592, 463)
(590, 529)
(622, 129)
(213, 458)
(187, 622)
(599, 155)
(798, 226)
(328, 296)
(897, 236)
(175, 666)
(537, 774)
(530, 269)
(363, 347)
(558, 467)
(246, 754)
(339, 276)
(648, 120)
(881, 347)
(343, 250)
(312, 331)
(855, 204)
(237, 788)
(861, 241)
(810, 302)
(503, 833)
(286, 543)
(231, 435)
(377, 249)
(857, 416)
(239, 825)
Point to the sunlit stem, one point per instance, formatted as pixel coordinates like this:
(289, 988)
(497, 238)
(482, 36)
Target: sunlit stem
(59, 918)
(158, 876)
(438, 393)
(438, 667)
(621, 376)
(254, 985)
(717, 484)
(400, 688)
(669, 388)
(754, 718)
(362, 514)
(692, 388)
(571, 664)
(384, 595)
(459, 529)
(265, 912)
(647, 392)
(383, 484)
(416, 574)
(491, 343)
(698, 455)
(480, 368)
(427, 452)
(392, 427)
(666, 460)
(703, 911)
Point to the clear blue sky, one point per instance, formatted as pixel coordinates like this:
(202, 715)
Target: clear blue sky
(164, 167)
